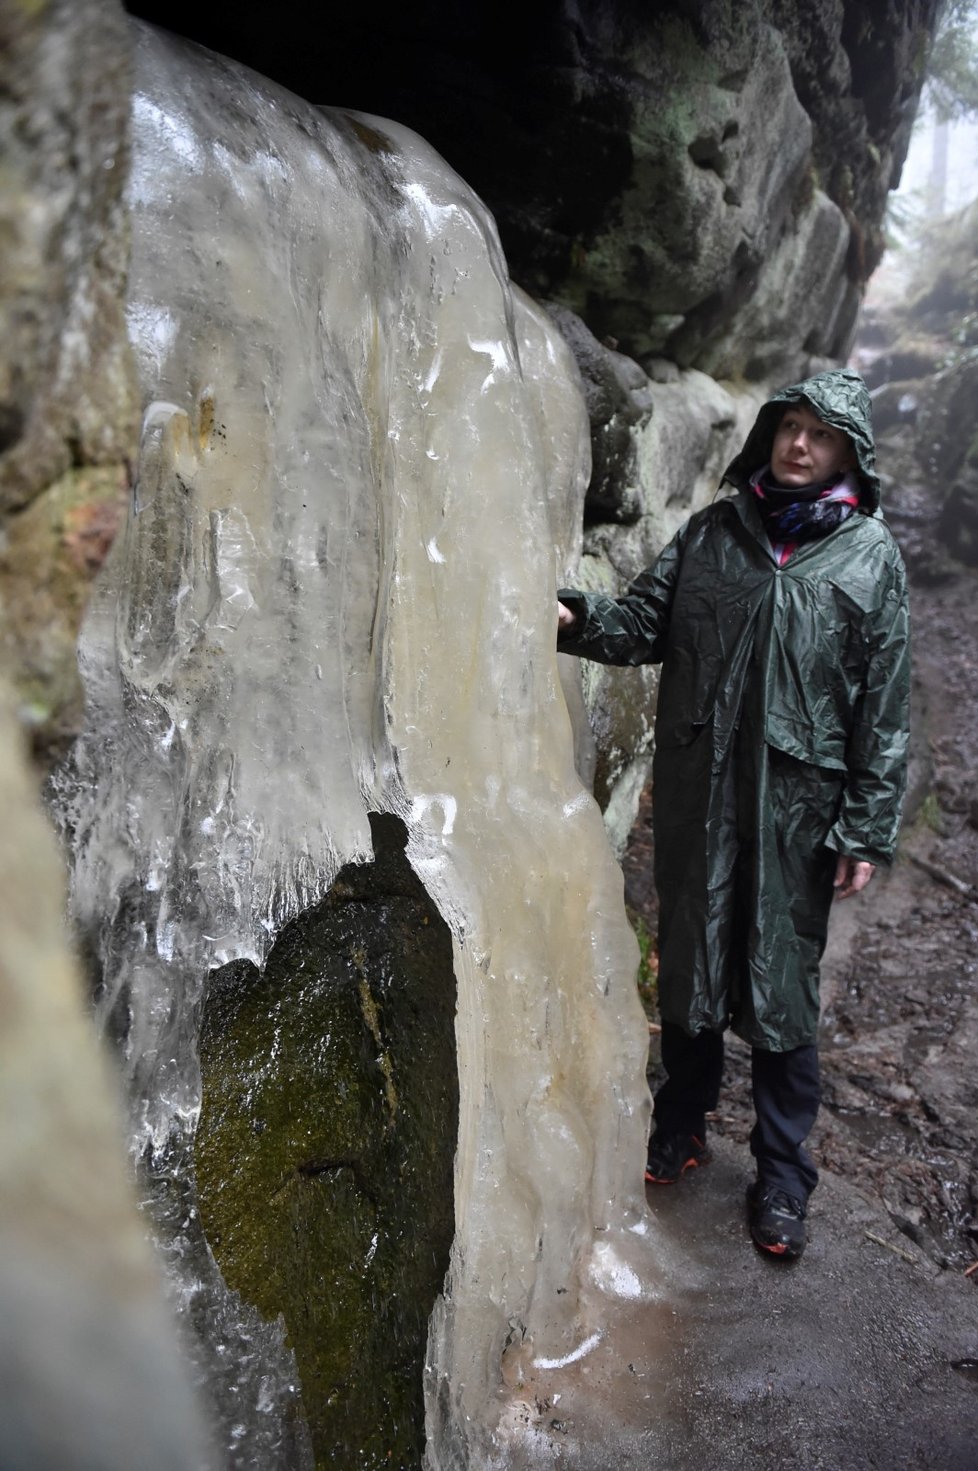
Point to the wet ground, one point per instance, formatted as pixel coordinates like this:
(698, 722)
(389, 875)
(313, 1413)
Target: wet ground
(862, 1356)
(856, 1357)
(899, 1043)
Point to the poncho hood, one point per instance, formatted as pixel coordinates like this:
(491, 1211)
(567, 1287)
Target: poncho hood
(841, 398)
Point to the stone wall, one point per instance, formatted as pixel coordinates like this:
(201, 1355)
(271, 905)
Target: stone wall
(68, 410)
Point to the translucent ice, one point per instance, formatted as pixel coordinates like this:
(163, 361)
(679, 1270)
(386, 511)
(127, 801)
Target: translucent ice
(362, 466)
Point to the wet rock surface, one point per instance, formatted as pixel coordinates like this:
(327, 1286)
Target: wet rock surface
(325, 1150)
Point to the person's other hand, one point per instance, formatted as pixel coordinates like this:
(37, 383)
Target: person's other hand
(565, 618)
(851, 875)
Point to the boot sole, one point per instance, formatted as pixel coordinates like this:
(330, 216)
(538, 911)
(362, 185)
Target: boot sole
(691, 1164)
(778, 1249)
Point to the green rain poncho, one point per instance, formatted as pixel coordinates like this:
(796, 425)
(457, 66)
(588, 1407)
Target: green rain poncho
(781, 731)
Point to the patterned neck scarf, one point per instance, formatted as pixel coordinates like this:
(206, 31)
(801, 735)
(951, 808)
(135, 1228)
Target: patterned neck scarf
(793, 515)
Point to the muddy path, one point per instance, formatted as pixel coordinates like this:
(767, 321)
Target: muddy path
(899, 1035)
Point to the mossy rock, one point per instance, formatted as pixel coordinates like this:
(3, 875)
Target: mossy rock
(325, 1151)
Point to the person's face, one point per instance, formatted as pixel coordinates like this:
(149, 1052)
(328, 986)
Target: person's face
(807, 450)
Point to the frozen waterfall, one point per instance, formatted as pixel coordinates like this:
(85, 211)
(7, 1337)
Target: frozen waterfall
(360, 480)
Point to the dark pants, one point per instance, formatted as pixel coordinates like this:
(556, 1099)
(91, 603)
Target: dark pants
(786, 1097)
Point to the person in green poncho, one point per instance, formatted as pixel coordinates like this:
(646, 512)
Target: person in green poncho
(780, 617)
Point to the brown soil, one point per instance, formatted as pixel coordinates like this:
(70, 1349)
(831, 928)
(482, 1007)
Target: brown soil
(899, 1037)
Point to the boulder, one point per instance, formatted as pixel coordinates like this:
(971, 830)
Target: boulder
(958, 525)
(946, 422)
(325, 1147)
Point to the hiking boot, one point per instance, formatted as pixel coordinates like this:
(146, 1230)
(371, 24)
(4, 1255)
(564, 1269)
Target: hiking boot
(777, 1221)
(671, 1155)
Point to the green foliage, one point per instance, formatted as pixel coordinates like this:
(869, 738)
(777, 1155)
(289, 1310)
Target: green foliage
(929, 815)
(942, 294)
(648, 965)
(901, 219)
(952, 69)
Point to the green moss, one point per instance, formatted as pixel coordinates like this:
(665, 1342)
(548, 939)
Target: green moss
(621, 702)
(325, 1150)
(648, 965)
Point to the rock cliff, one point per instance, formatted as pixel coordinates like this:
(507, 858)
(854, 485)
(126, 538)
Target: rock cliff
(700, 183)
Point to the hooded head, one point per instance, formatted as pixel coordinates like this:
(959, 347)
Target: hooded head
(840, 398)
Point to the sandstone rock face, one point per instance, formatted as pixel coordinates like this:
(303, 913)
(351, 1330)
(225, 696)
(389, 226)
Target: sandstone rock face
(67, 387)
(49, 556)
(721, 168)
(619, 402)
(65, 392)
(946, 425)
(952, 438)
(673, 439)
(752, 133)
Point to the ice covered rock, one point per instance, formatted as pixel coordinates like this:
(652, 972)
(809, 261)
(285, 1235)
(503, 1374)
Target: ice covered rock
(360, 481)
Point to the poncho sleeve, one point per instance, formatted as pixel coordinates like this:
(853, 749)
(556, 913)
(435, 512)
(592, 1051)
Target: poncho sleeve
(876, 754)
(628, 630)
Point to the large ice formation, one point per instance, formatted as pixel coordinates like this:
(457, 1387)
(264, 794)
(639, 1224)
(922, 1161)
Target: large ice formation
(363, 459)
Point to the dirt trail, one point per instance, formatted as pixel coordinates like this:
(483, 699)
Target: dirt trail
(899, 1040)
